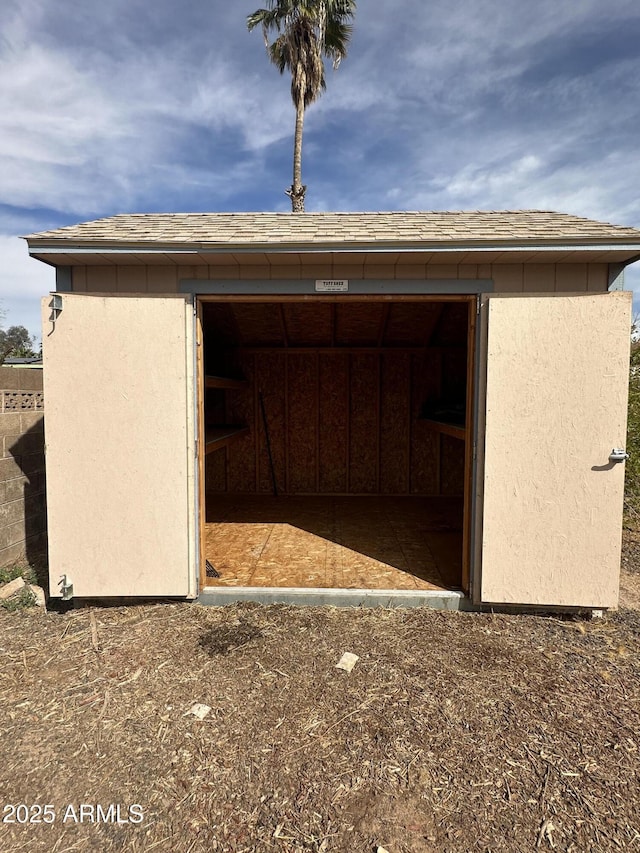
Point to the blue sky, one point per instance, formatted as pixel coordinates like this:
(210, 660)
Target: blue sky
(130, 106)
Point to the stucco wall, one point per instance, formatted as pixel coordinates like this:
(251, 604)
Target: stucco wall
(508, 278)
(555, 406)
(121, 447)
(22, 477)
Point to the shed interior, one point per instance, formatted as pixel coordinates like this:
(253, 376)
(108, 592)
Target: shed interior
(336, 434)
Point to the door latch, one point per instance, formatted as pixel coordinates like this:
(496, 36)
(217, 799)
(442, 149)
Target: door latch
(66, 587)
(618, 455)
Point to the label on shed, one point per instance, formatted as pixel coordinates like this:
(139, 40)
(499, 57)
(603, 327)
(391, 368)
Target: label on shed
(332, 285)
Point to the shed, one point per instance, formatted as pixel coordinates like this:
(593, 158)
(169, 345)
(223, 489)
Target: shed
(337, 407)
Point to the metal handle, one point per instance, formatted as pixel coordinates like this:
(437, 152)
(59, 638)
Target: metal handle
(618, 455)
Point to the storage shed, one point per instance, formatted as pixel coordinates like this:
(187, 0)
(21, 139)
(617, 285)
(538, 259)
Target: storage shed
(343, 407)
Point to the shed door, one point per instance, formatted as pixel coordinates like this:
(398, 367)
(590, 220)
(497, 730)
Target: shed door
(120, 448)
(556, 400)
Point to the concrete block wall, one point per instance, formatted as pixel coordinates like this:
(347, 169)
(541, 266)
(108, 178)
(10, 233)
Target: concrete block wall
(23, 520)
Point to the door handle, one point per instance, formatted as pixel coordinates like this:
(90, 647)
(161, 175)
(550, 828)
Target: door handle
(618, 455)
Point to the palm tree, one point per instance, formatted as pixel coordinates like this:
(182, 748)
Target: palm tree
(306, 31)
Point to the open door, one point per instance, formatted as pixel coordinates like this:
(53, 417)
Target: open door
(120, 445)
(556, 403)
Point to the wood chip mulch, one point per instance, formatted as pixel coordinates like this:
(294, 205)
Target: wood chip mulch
(453, 732)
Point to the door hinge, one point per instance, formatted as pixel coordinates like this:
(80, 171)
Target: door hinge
(56, 309)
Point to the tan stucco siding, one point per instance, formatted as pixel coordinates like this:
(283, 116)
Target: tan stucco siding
(120, 446)
(508, 278)
(554, 408)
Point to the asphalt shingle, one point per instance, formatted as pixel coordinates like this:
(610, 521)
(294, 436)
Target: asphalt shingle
(333, 229)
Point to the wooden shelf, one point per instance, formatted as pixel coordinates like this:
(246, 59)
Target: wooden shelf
(224, 382)
(217, 437)
(445, 428)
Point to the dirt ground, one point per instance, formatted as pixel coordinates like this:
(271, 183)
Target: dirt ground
(453, 732)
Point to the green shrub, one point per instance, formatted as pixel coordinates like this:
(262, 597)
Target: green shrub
(9, 573)
(23, 599)
(632, 476)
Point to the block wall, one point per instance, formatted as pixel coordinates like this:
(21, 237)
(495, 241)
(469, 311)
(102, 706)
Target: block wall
(22, 469)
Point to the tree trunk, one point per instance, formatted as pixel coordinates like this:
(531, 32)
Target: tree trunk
(297, 190)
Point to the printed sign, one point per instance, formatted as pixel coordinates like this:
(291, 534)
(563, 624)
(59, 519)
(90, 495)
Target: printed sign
(332, 285)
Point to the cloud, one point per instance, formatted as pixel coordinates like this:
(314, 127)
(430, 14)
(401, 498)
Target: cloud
(89, 129)
(23, 281)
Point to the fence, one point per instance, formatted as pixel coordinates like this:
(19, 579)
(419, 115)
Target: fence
(22, 470)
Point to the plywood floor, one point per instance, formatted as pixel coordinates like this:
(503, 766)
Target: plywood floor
(340, 542)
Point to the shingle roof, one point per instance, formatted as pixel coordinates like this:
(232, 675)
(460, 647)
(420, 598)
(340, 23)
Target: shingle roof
(226, 230)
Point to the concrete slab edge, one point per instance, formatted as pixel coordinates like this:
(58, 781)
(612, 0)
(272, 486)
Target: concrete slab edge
(318, 597)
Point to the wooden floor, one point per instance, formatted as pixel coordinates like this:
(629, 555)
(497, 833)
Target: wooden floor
(335, 542)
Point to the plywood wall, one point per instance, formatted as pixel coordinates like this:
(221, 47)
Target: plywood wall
(333, 425)
(340, 423)
(364, 422)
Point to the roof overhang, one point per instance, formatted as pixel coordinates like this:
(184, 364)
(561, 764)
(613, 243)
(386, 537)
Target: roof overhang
(63, 253)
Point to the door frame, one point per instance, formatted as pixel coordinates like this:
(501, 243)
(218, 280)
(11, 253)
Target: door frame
(201, 512)
(204, 294)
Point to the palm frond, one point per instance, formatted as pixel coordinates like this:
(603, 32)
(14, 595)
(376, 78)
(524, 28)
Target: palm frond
(311, 30)
(279, 54)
